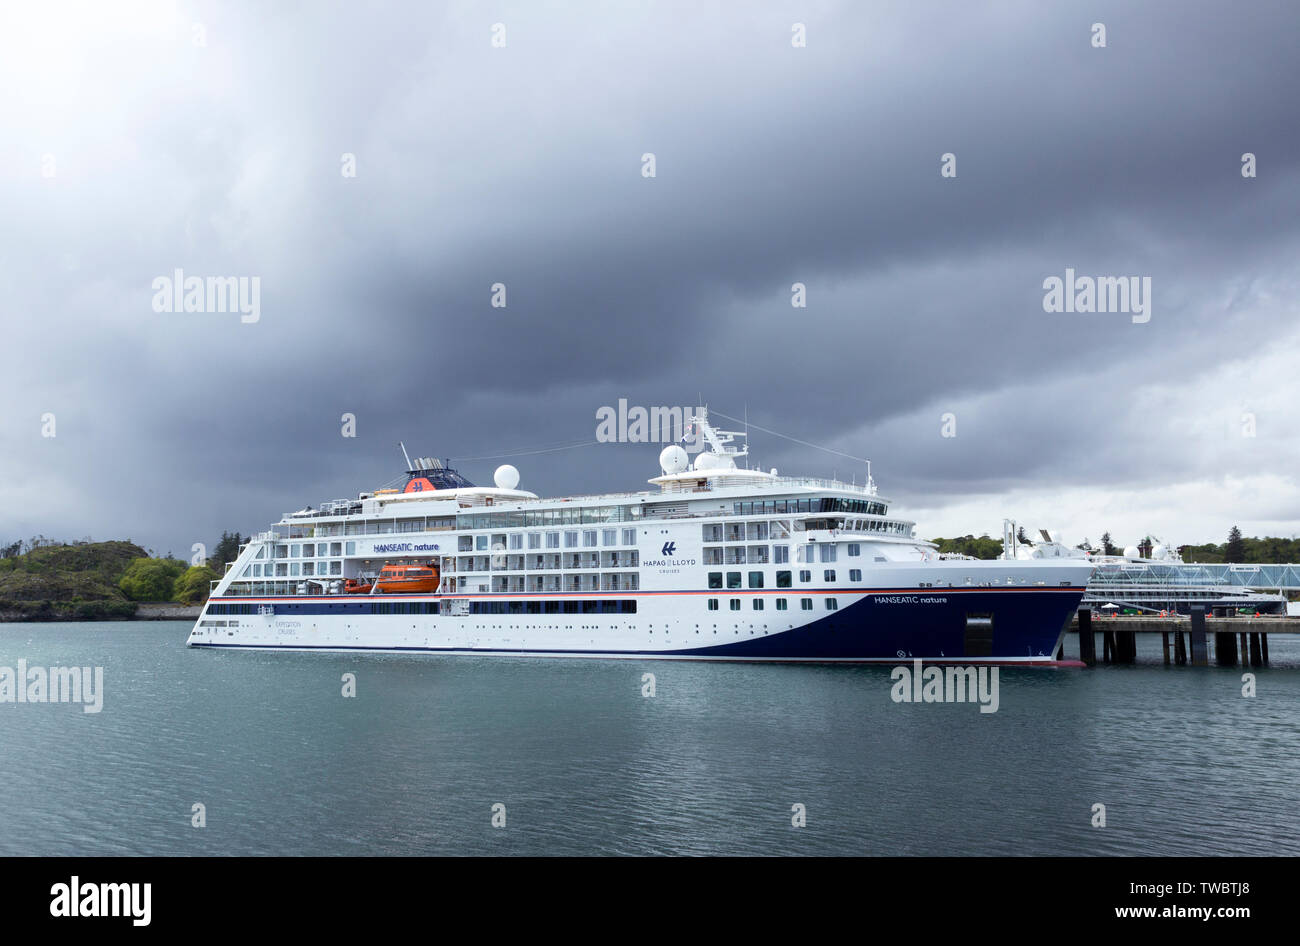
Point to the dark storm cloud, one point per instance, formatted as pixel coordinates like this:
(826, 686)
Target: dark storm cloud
(521, 165)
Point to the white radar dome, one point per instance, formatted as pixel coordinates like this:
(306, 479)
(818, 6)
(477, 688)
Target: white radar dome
(672, 459)
(506, 477)
(713, 461)
(1131, 551)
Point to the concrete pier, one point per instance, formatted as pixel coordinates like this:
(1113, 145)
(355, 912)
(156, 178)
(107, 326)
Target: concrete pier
(1229, 637)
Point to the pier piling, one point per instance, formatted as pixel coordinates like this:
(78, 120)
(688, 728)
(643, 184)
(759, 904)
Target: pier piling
(1224, 640)
(1125, 647)
(1200, 656)
(1087, 642)
(1225, 648)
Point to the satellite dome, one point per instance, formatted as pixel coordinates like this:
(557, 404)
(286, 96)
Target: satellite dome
(506, 477)
(1132, 551)
(713, 461)
(672, 459)
(1160, 552)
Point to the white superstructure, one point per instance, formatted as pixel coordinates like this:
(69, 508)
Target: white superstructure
(716, 561)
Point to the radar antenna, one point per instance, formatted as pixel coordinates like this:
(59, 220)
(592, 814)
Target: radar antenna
(720, 440)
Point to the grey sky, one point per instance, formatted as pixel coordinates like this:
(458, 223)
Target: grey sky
(775, 165)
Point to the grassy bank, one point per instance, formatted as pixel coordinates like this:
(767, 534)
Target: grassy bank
(93, 581)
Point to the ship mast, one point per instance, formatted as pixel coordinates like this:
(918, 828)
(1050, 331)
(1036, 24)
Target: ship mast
(720, 440)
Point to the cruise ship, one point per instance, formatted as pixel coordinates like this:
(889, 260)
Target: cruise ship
(717, 561)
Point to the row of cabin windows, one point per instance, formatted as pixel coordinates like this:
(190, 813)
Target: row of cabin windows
(622, 606)
(293, 570)
(756, 579)
(578, 538)
(780, 554)
(782, 604)
(500, 562)
(311, 550)
(571, 515)
(863, 507)
(887, 526)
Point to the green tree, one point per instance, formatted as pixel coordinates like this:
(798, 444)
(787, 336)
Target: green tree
(226, 550)
(983, 547)
(150, 579)
(192, 586)
(1106, 547)
(1235, 550)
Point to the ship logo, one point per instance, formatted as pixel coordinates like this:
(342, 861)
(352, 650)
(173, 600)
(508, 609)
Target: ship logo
(670, 548)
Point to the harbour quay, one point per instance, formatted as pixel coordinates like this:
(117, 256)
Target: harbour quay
(1194, 639)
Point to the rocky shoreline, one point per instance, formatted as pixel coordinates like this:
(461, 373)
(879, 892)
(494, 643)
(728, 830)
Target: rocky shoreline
(164, 611)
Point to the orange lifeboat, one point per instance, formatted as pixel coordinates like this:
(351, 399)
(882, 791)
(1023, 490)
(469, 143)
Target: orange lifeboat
(354, 587)
(408, 579)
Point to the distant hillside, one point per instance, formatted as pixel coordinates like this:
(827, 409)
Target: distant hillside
(67, 582)
(1268, 550)
(983, 547)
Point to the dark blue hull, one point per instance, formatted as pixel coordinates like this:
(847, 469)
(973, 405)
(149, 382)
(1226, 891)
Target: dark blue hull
(931, 624)
(967, 625)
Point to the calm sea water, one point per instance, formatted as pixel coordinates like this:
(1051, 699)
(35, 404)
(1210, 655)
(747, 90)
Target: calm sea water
(584, 764)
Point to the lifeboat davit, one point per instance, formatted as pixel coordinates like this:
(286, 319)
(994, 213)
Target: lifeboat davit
(408, 579)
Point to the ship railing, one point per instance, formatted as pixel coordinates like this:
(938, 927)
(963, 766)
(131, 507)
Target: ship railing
(819, 483)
